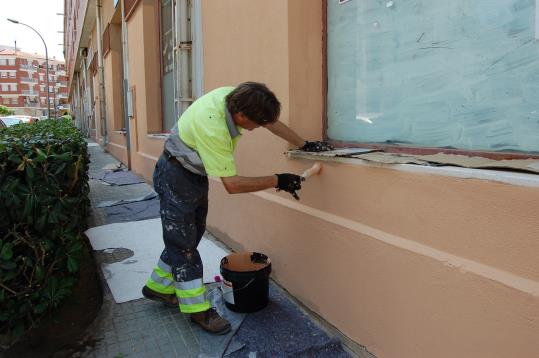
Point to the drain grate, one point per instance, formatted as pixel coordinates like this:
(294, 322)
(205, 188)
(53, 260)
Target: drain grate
(109, 256)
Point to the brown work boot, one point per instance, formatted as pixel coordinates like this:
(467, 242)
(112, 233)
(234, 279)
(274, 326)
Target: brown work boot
(211, 321)
(170, 300)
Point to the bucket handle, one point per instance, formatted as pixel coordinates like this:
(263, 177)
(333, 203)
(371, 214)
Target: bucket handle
(242, 288)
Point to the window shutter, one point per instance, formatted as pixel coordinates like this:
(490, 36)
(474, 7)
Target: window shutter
(106, 40)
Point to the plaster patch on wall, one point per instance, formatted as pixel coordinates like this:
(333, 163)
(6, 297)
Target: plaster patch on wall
(464, 265)
(512, 178)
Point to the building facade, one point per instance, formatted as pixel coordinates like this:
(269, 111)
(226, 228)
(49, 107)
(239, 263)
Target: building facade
(407, 260)
(23, 83)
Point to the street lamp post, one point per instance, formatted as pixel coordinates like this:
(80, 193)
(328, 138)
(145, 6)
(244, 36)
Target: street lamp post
(46, 62)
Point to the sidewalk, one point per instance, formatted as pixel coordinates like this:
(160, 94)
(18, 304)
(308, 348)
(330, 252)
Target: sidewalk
(143, 328)
(140, 328)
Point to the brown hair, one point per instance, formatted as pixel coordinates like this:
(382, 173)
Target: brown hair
(256, 101)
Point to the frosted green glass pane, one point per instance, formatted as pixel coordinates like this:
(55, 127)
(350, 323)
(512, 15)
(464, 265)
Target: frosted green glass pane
(461, 74)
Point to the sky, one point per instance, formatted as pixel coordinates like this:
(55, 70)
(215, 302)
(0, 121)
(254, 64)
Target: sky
(41, 15)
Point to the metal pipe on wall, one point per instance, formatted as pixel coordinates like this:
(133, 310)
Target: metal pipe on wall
(86, 96)
(101, 75)
(125, 73)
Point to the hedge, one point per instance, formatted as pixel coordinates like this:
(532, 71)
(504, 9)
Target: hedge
(5, 111)
(43, 208)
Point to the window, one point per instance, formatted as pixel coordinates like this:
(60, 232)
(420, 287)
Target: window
(114, 35)
(176, 59)
(3, 62)
(42, 88)
(11, 62)
(3, 74)
(12, 74)
(13, 87)
(167, 63)
(453, 74)
(41, 77)
(183, 56)
(50, 88)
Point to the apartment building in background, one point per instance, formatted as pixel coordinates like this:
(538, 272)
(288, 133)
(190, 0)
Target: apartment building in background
(23, 83)
(409, 260)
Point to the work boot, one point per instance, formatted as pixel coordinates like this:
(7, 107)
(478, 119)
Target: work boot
(211, 321)
(169, 300)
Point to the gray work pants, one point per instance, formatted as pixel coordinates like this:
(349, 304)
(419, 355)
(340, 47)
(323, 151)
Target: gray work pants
(183, 206)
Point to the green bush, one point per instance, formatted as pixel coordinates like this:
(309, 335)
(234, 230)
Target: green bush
(4, 111)
(43, 208)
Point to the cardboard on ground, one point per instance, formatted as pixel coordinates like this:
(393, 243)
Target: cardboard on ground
(126, 278)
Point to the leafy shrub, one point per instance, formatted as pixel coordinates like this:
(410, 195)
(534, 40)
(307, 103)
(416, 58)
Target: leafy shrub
(43, 206)
(4, 111)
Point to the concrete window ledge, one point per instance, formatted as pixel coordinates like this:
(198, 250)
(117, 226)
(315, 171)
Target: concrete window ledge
(508, 177)
(161, 136)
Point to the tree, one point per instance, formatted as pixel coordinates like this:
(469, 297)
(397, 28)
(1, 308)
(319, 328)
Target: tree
(4, 111)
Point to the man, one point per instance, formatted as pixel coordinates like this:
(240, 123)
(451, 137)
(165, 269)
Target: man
(202, 143)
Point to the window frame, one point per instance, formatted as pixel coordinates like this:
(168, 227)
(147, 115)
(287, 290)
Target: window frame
(159, 12)
(414, 150)
(191, 74)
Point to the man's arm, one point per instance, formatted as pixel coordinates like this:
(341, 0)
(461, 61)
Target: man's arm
(285, 181)
(282, 130)
(237, 184)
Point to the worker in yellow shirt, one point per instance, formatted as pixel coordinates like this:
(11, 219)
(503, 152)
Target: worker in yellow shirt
(202, 144)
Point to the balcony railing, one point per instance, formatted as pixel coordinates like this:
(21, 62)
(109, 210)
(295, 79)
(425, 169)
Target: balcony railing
(28, 79)
(28, 67)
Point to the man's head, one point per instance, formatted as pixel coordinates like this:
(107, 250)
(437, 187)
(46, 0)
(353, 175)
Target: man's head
(252, 105)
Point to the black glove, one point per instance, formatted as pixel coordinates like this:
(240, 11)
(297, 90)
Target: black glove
(289, 183)
(316, 146)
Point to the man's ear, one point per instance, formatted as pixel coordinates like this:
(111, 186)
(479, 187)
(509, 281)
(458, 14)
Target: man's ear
(239, 118)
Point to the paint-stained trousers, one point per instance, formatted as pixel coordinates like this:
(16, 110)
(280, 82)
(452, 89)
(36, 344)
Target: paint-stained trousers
(184, 205)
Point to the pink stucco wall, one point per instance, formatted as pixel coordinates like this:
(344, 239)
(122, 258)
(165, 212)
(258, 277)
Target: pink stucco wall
(407, 264)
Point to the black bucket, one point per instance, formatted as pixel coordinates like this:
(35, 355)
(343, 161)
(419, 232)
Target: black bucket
(246, 281)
